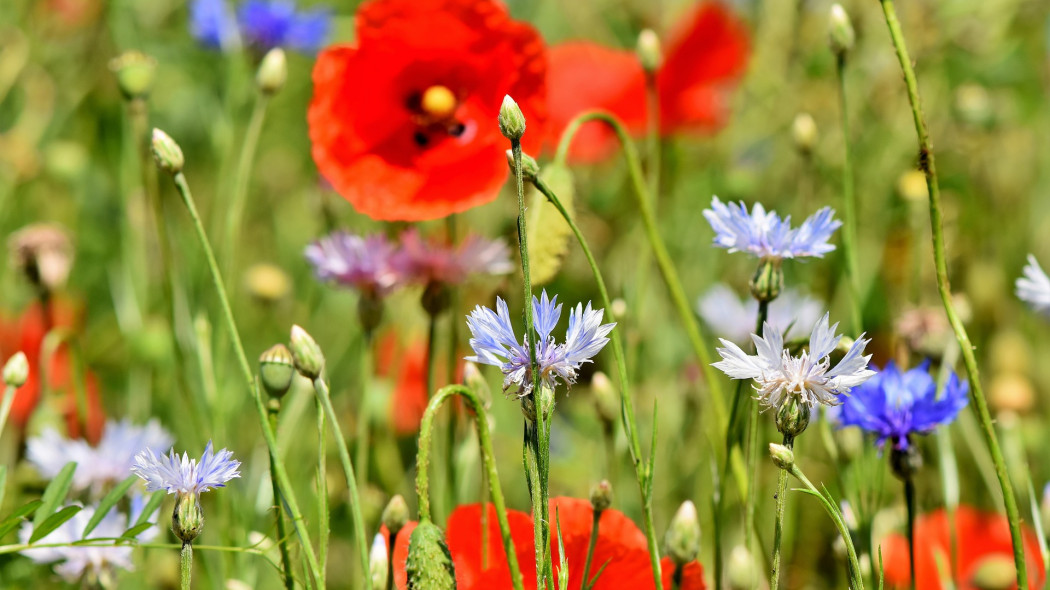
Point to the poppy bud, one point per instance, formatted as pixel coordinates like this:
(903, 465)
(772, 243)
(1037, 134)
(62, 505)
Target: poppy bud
(648, 51)
(601, 495)
(529, 167)
(395, 515)
(683, 536)
(840, 31)
(792, 417)
(768, 280)
(187, 520)
(44, 253)
(782, 456)
(309, 360)
(606, 400)
(16, 370)
(905, 462)
(804, 132)
(276, 369)
(378, 562)
(473, 379)
(134, 71)
(429, 565)
(511, 121)
(995, 572)
(272, 73)
(167, 153)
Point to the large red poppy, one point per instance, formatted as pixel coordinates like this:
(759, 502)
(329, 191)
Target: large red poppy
(704, 57)
(982, 539)
(404, 121)
(620, 544)
(26, 334)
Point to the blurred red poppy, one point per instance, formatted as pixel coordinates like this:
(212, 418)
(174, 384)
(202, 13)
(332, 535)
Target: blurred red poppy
(703, 58)
(620, 544)
(403, 122)
(27, 334)
(408, 366)
(983, 545)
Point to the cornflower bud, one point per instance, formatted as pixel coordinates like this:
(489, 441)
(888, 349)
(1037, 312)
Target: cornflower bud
(167, 153)
(272, 73)
(782, 456)
(378, 562)
(840, 31)
(276, 369)
(683, 536)
(768, 280)
(511, 121)
(309, 360)
(529, 167)
(16, 370)
(606, 400)
(135, 72)
(395, 515)
(648, 51)
(187, 520)
(601, 496)
(792, 417)
(429, 564)
(804, 133)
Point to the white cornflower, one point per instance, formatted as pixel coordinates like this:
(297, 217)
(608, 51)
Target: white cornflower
(1034, 287)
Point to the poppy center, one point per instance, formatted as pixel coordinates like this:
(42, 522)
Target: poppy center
(438, 103)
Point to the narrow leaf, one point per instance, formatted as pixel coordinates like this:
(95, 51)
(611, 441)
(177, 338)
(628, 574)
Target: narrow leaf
(150, 508)
(53, 522)
(135, 530)
(11, 522)
(108, 502)
(54, 494)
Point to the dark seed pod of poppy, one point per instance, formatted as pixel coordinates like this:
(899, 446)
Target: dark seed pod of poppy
(429, 564)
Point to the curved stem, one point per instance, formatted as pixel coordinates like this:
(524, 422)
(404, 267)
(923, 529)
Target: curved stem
(840, 524)
(426, 430)
(279, 473)
(323, 515)
(980, 405)
(778, 530)
(642, 470)
(849, 233)
(240, 187)
(186, 568)
(351, 481)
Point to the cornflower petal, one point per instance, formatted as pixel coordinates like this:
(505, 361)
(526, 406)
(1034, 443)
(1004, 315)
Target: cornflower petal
(765, 235)
(182, 474)
(1034, 287)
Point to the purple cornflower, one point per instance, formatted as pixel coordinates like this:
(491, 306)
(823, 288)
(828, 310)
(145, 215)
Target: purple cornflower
(212, 23)
(183, 475)
(262, 24)
(895, 404)
(768, 237)
(364, 263)
(1034, 287)
(734, 319)
(426, 261)
(809, 378)
(494, 342)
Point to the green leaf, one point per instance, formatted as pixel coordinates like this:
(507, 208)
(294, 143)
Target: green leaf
(547, 230)
(54, 494)
(108, 502)
(9, 523)
(135, 530)
(150, 507)
(53, 522)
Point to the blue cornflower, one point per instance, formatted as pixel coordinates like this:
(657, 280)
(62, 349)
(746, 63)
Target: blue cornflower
(212, 23)
(276, 23)
(183, 475)
(895, 405)
(767, 236)
(494, 342)
(1034, 287)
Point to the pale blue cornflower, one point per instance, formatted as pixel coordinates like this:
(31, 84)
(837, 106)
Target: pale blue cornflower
(364, 263)
(213, 24)
(183, 475)
(768, 237)
(809, 377)
(733, 318)
(97, 466)
(427, 261)
(261, 24)
(1034, 287)
(895, 404)
(495, 343)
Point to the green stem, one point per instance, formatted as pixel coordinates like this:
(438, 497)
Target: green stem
(778, 530)
(426, 429)
(909, 500)
(840, 524)
(282, 533)
(653, 136)
(980, 405)
(849, 233)
(752, 456)
(323, 519)
(364, 370)
(5, 406)
(590, 547)
(187, 565)
(663, 259)
(642, 470)
(279, 473)
(240, 186)
(321, 388)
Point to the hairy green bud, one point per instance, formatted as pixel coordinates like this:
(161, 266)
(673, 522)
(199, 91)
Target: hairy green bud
(511, 121)
(187, 520)
(529, 167)
(167, 153)
(601, 495)
(782, 456)
(309, 360)
(683, 536)
(429, 565)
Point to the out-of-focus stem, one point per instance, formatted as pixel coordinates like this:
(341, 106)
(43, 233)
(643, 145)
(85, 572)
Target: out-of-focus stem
(282, 533)
(240, 186)
(849, 233)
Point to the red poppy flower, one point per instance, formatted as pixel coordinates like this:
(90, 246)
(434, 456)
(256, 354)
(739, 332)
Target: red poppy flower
(703, 58)
(26, 334)
(403, 122)
(620, 544)
(983, 540)
(408, 365)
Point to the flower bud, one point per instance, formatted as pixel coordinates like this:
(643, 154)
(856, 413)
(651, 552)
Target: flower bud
(44, 253)
(546, 397)
(135, 72)
(741, 571)
(683, 537)
(473, 379)
(272, 73)
(529, 167)
(601, 495)
(782, 456)
(167, 153)
(995, 572)
(648, 51)
(793, 417)
(16, 370)
(436, 298)
(395, 515)
(429, 565)
(804, 133)
(309, 360)
(606, 400)
(187, 520)
(840, 31)
(378, 562)
(369, 311)
(905, 462)
(511, 121)
(276, 369)
(768, 280)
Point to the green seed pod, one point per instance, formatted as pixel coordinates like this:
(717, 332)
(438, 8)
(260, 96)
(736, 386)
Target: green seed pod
(276, 369)
(135, 72)
(429, 564)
